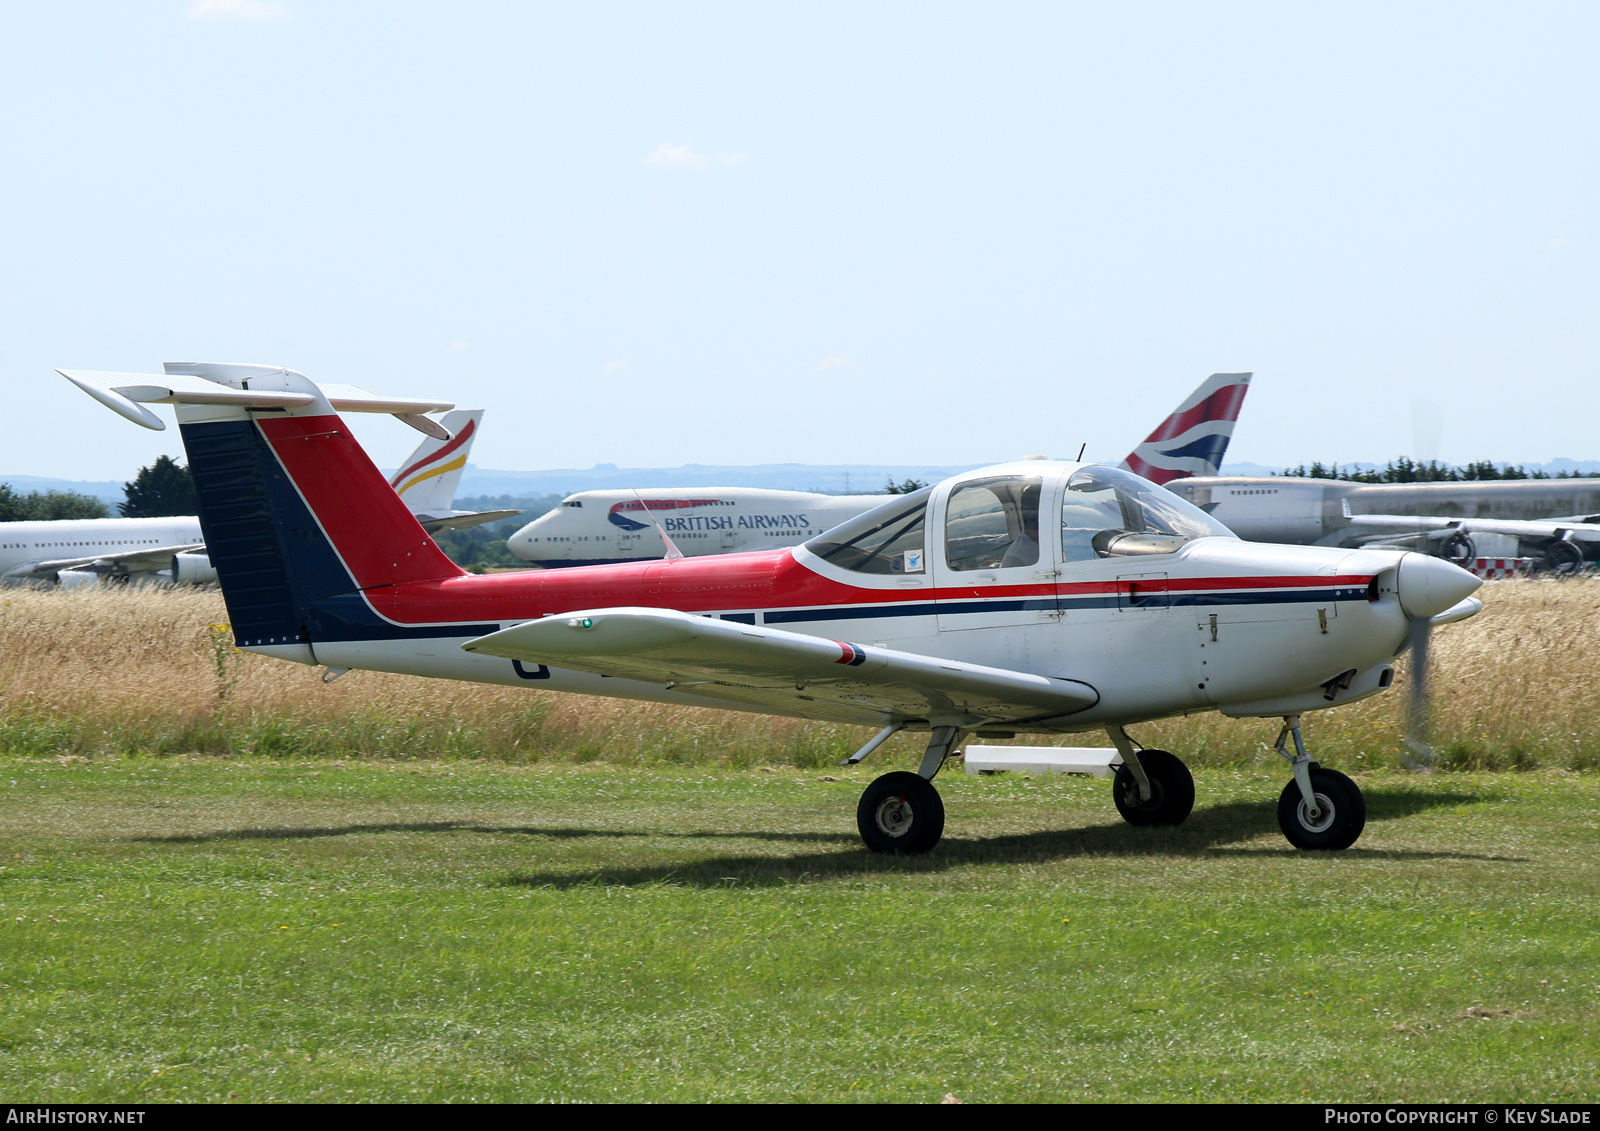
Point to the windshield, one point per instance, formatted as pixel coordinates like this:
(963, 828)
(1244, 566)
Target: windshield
(885, 539)
(1108, 513)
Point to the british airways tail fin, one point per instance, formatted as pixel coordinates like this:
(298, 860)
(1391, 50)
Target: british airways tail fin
(1193, 440)
(298, 522)
(428, 479)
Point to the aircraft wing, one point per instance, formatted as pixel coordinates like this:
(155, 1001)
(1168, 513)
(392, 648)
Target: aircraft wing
(1577, 531)
(790, 672)
(461, 521)
(134, 561)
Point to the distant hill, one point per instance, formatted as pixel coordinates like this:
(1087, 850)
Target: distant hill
(110, 493)
(828, 479)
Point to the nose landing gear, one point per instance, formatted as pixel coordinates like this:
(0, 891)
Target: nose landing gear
(1319, 809)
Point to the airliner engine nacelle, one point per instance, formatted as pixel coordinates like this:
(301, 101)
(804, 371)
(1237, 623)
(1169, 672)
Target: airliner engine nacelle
(193, 569)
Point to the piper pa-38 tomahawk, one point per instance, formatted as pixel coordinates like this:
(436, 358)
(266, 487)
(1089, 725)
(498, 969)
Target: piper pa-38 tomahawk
(607, 527)
(1033, 597)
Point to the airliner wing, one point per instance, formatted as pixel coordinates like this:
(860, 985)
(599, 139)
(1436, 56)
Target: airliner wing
(796, 674)
(134, 561)
(1576, 530)
(463, 520)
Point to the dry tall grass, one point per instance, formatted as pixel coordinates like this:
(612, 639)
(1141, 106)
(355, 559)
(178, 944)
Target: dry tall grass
(143, 672)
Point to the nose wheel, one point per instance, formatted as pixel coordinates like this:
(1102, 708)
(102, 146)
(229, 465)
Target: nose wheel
(900, 813)
(1319, 808)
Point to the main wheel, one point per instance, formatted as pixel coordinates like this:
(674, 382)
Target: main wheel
(1171, 791)
(1459, 550)
(1341, 812)
(901, 813)
(1562, 557)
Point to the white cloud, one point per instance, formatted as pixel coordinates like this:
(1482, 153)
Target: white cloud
(238, 11)
(458, 346)
(685, 156)
(617, 366)
(834, 361)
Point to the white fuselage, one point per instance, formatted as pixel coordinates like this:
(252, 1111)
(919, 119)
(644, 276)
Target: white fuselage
(1311, 512)
(607, 527)
(24, 542)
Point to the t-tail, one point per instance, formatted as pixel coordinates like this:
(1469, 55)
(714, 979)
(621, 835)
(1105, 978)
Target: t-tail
(1193, 440)
(303, 529)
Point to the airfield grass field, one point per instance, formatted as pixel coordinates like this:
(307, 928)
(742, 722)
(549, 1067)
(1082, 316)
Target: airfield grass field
(220, 879)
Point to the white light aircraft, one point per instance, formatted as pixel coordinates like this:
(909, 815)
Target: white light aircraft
(1028, 598)
(1460, 522)
(607, 527)
(78, 552)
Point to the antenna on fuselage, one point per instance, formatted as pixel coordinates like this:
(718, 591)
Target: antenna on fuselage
(1083, 447)
(673, 553)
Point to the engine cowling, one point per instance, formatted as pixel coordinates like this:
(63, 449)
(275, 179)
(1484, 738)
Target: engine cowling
(193, 569)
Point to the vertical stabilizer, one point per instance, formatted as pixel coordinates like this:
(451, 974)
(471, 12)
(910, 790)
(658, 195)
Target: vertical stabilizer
(1193, 440)
(297, 521)
(429, 478)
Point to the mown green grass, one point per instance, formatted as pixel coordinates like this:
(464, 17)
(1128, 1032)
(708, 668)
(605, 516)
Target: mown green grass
(203, 930)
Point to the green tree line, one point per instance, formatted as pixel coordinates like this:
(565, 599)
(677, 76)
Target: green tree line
(1407, 470)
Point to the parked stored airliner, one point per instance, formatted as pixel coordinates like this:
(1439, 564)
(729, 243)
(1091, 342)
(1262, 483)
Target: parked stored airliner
(607, 527)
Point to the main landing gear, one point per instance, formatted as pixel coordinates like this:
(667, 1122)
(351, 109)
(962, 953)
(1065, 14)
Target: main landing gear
(902, 812)
(1319, 808)
(1151, 787)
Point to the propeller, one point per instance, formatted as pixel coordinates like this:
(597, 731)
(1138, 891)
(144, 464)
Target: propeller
(1416, 752)
(1431, 592)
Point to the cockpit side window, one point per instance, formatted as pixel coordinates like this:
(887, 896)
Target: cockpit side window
(886, 539)
(572, 503)
(1109, 513)
(993, 523)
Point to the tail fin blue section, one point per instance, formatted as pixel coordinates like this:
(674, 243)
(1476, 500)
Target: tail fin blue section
(234, 474)
(1194, 439)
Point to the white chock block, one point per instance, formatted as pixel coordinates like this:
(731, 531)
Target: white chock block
(1097, 761)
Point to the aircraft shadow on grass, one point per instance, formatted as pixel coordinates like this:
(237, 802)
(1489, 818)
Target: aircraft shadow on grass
(1213, 831)
(1209, 832)
(558, 832)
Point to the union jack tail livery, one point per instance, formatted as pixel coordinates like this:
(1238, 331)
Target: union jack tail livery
(1193, 440)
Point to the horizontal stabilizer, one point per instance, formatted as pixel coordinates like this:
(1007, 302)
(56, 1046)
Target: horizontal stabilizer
(809, 676)
(127, 393)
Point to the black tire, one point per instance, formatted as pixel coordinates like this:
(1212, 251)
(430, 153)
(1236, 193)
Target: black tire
(1171, 791)
(1562, 557)
(1343, 816)
(900, 813)
(1459, 550)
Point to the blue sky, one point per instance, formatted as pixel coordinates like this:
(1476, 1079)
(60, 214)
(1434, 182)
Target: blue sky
(878, 233)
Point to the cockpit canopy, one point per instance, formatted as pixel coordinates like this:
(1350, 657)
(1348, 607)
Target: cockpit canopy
(994, 522)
